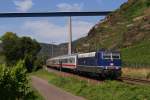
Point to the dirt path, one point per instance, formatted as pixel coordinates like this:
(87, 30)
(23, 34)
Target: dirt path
(50, 92)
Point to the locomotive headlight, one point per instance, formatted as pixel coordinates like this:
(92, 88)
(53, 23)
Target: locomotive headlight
(111, 64)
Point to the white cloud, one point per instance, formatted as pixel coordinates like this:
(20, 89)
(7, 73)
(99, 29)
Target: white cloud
(23, 5)
(68, 7)
(45, 31)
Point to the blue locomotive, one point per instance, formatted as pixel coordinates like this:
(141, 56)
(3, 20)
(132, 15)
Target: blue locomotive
(102, 63)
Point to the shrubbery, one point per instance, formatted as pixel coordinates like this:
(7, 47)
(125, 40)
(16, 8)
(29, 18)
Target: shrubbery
(39, 62)
(14, 83)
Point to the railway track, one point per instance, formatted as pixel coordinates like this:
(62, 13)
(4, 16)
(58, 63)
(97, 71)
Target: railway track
(135, 81)
(127, 80)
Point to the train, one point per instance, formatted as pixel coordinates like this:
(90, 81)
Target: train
(103, 63)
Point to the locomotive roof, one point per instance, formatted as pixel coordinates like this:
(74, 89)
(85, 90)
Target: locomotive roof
(82, 55)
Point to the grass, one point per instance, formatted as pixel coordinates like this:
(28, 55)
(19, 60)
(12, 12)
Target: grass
(36, 94)
(136, 72)
(109, 90)
(136, 61)
(33, 95)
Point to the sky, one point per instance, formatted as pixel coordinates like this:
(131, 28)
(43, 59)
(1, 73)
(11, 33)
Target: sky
(53, 29)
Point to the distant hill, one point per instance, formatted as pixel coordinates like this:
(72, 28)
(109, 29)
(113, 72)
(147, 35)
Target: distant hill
(51, 50)
(61, 49)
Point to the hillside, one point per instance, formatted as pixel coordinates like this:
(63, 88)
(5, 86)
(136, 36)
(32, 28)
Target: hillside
(127, 29)
(137, 55)
(128, 25)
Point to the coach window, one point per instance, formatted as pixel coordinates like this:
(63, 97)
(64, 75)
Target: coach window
(72, 60)
(57, 61)
(65, 60)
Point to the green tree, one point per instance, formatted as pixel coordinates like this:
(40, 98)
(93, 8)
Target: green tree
(29, 49)
(16, 48)
(10, 47)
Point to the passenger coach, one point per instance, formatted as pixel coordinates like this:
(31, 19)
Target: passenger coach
(66, 61)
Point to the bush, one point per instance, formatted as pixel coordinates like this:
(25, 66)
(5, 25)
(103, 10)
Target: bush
(39, 62)
(14, 83)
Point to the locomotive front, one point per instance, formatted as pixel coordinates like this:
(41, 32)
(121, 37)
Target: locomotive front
(110, 62)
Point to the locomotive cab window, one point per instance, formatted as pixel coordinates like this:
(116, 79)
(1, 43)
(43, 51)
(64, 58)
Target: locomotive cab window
(116, 56)
(106, 56)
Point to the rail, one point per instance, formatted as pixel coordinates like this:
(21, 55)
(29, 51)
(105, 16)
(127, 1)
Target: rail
(76, 76)
(135, 80)
(127, 80)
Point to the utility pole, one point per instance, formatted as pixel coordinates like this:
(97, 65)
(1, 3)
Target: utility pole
(70, 36)
(52, 49)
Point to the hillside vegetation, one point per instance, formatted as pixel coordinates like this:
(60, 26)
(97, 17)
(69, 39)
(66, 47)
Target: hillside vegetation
(126, 29)
(137, 55)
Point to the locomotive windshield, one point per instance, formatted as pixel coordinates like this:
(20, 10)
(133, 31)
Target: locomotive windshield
(107, 56)
(111, 56)
(115, 56)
